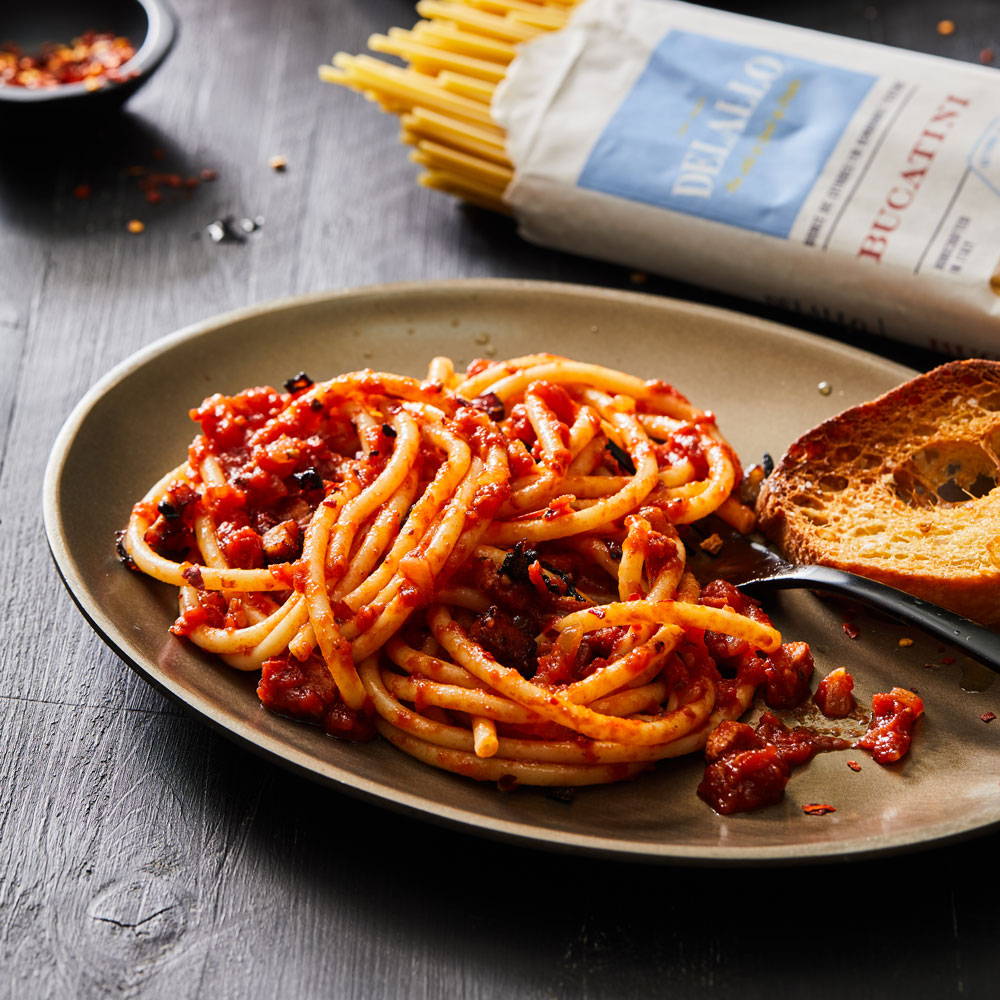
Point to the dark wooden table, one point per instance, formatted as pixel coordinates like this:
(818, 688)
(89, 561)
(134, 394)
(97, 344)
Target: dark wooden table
(142, 854)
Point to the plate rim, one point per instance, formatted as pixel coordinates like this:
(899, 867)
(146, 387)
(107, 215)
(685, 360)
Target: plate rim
(522, 833)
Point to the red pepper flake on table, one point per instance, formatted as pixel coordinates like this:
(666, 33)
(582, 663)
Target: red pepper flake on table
(850, 630)
(91, 59)
(988, 716)
(817, 809)
(153, 184)
(854, 765)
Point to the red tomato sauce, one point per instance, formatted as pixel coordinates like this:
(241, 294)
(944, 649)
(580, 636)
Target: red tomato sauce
(305, 690)
(890, 732)
(833, 694)
(749, 768)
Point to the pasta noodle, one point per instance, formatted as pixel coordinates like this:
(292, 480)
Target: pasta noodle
(485, 567)
(455, 57)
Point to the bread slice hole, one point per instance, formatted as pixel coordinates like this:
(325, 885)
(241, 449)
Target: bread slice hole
(808, 501)
(946, 472)
(993, 551)
(870, 528)
(991, 401)
(992, 443)
(954, 492)
(833, 484)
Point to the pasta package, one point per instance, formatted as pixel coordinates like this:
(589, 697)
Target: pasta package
(832, 177)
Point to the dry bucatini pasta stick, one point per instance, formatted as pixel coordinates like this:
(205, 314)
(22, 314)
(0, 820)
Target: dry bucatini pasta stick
(454, 58)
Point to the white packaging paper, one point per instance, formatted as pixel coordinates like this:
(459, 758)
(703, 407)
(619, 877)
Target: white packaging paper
(833, 177)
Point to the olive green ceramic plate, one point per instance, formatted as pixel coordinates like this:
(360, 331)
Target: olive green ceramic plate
(760, 378)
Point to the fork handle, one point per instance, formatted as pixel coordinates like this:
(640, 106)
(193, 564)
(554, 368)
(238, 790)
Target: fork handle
(980, 643)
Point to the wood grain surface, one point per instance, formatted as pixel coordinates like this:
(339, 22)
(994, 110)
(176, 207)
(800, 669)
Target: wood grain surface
(142, 855)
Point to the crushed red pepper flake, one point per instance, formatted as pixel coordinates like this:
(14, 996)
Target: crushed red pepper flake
(135, 226)
(988, 716)
(946, 27)
(850, 630)
(152, 183)
(82, 191)
(986, 56)
(278, 163)
(91, 59)
(193, 576)
(947, 660)
(817, 809)
(904, 642)
(712, 544)
(854, 765)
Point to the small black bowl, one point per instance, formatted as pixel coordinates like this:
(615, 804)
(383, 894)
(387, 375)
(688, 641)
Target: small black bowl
(149, 24)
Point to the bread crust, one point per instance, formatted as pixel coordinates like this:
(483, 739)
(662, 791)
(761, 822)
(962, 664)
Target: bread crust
(904, 489)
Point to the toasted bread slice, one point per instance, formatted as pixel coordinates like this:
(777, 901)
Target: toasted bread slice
(904, 489)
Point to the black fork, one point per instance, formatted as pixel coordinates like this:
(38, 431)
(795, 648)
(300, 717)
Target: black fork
(755, 569)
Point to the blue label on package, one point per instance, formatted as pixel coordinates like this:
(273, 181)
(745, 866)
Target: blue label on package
(725, 131)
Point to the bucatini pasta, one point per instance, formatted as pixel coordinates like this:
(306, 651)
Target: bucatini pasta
(484, 567)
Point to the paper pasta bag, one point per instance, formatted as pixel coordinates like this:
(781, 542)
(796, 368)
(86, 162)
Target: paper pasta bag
(832, 177)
